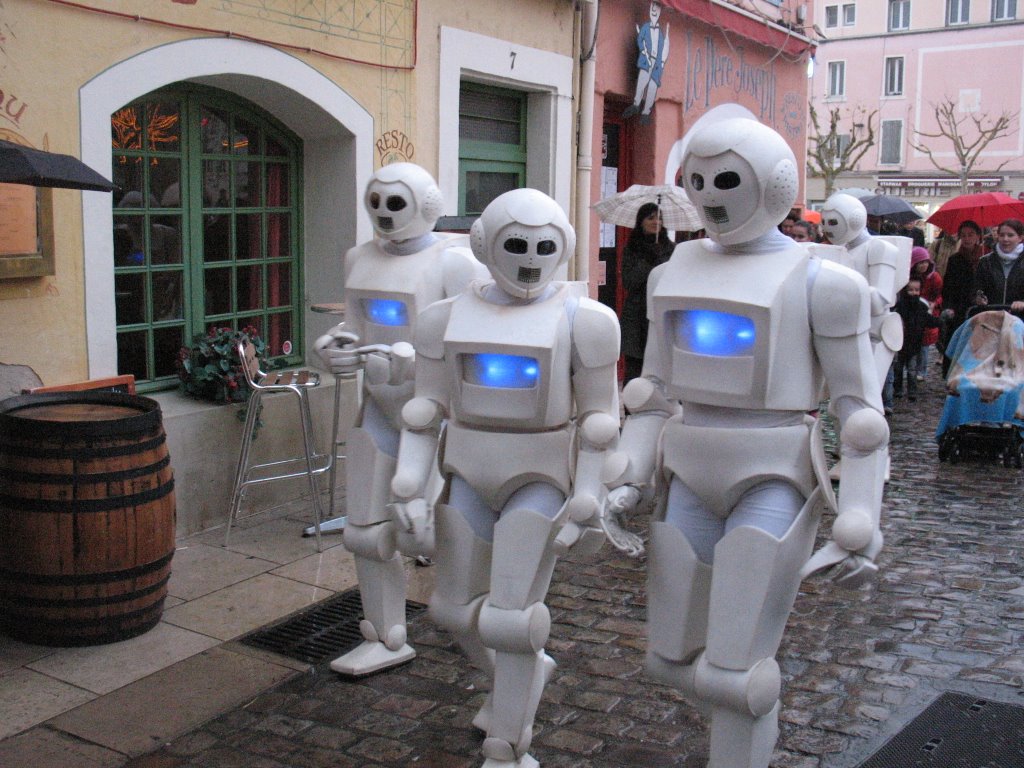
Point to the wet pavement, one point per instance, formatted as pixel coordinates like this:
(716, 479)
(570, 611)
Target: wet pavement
(946, 613)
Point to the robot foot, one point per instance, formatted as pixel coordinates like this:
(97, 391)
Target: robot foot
(371, 656)
(523, 762)
(482, 720)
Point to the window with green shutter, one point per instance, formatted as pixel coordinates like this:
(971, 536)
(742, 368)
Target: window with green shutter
(205, 227)
(492, 144)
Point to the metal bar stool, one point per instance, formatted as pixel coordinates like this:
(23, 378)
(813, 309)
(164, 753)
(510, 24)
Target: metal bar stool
(298, 383)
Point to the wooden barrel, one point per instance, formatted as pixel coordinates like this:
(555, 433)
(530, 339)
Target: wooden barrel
(86, 517)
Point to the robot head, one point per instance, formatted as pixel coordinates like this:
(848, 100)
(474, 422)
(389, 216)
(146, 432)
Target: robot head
(843, 218)
(522, 237)
(742, 176)
(403, 201)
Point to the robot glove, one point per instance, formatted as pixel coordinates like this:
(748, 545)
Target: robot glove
(338, 352)
(415, 518)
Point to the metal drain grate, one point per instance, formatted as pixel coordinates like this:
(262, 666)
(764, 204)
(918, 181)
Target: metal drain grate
(322, 632)
(957, 730)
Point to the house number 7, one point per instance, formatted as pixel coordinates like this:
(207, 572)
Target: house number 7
(512, 55)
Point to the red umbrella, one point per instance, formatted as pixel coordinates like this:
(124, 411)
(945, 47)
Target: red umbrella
(986, 209)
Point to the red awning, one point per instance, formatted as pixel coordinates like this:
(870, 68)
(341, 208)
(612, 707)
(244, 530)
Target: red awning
(770, 35)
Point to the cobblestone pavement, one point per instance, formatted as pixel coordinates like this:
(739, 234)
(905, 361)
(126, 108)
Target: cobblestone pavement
(945, 614)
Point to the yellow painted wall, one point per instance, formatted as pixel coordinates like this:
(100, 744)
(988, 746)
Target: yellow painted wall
(50, 49)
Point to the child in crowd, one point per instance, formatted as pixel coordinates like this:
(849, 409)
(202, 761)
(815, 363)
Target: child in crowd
(922, 266)
(917, 317)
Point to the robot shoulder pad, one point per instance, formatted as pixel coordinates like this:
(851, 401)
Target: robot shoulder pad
(595, 333)
(839, 301)
(460, 266)
(430, 327)
(880, 251)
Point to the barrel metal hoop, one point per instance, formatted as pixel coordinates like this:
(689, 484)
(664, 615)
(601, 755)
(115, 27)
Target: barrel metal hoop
(78, 506)
(83, 453)
(146, 420)
(80, 579)
(14, 602)
(49, 478)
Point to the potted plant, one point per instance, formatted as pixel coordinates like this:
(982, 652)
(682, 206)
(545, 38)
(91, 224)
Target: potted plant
(211, 370)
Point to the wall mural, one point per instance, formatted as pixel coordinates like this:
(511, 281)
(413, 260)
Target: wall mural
(653, 44)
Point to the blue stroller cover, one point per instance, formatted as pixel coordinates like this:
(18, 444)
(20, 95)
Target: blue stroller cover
(987, 373)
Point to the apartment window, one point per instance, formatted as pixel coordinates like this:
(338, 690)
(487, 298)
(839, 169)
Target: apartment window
(492, 144)
(958, 11)
(838, 146)
(1004, 10)
(891, 140)
(836, 79)
(832, 16)
(894, 76)
(899, 15)
(849, 14)
(206, 231)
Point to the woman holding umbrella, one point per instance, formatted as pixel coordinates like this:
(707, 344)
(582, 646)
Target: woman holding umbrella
(958, 282)
(647, 247)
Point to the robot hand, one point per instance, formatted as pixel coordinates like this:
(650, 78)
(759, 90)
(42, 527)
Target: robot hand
(338, 351)
(846, 568)
(580, 531)
(415, 520)
(619, 501)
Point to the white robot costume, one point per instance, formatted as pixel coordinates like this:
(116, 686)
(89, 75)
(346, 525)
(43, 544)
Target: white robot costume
(388, 281)
(524, 373)
(746, 327)
(883, 264)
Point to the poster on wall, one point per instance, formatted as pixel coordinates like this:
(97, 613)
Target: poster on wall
(19, 234)
(652, 42)
(609, 187)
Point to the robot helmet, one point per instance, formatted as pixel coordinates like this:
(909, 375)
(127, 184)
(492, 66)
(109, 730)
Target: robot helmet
(843, 218)
(403, 201)
(742, 176)
(522, 238)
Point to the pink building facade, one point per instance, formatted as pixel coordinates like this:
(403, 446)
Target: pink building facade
(718, 52)
(904, 57)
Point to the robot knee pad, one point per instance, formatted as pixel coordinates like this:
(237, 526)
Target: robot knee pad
(374, 542)
(513, 630)
(752, 691)
(865, 431)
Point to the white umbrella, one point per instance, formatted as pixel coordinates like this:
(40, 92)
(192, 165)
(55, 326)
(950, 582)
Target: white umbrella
(859, 192)
(677, 212)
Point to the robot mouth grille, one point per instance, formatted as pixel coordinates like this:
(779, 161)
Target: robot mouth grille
(528, 275)
(716, 214)
(386, 223)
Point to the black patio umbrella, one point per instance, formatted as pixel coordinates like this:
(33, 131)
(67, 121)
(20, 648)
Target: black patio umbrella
(24, 165)
(892, 208)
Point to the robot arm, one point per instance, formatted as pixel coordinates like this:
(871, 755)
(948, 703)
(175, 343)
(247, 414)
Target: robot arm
(840, 320)
(595, 338)
(460, 268)
(882, 261)
(421, 418)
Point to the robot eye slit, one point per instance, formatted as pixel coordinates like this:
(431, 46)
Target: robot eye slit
(727, 180)
(697, 181)
(374, 200)
(396, 203)
(516, 245)
(546, 247)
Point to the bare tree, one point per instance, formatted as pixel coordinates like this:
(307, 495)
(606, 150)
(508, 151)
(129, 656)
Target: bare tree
(833, 150)
(969, 132)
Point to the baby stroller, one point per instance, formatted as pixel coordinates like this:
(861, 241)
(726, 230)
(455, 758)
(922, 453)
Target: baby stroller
(984, 412)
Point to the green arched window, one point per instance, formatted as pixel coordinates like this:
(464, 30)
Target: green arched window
(206, 227)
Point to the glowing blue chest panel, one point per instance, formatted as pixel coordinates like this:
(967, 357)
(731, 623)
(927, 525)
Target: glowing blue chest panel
(386, 312)
(501, 371)
(716, 334)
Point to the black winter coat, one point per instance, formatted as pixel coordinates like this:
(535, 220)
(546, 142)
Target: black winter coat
(1000, 289)
(639, 257)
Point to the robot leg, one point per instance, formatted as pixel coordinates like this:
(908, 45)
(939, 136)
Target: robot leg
(515, 622)
(462, 567)
(754, 584)
(370, 537)
(678, 589)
